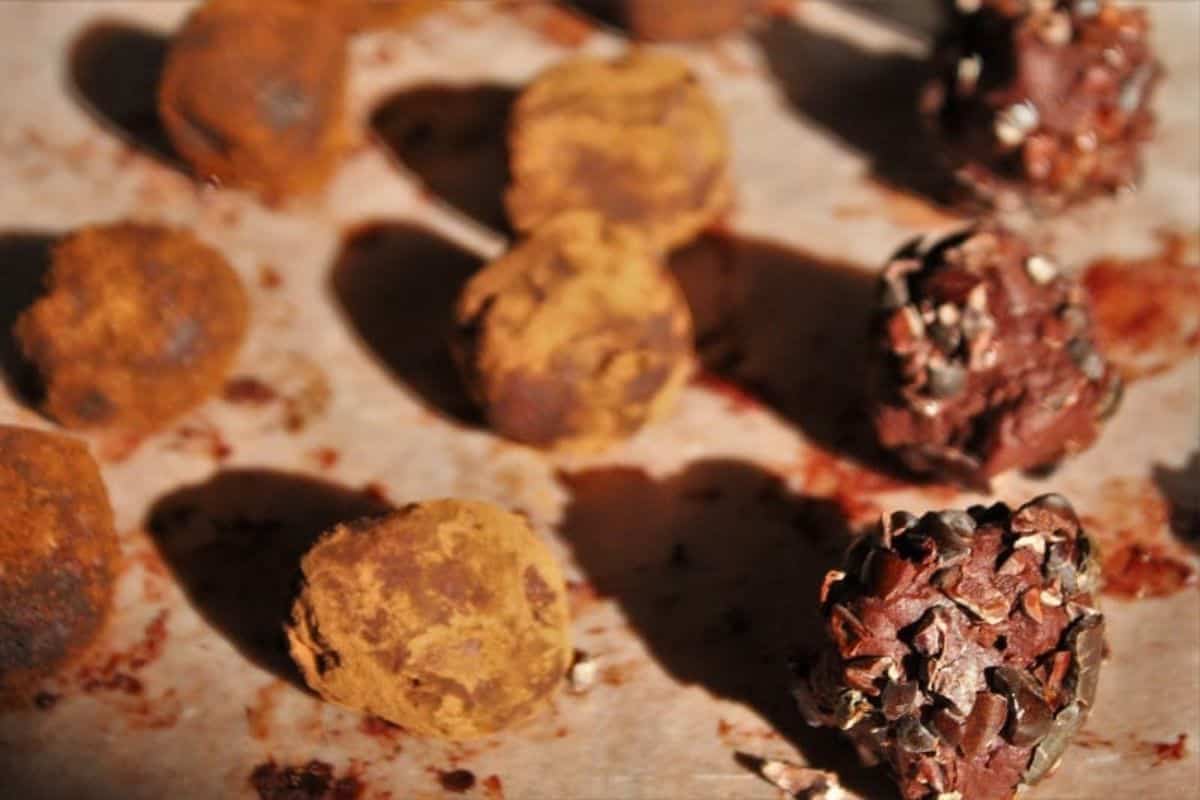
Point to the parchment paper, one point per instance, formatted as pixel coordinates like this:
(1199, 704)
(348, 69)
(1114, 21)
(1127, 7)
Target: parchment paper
(694, 549)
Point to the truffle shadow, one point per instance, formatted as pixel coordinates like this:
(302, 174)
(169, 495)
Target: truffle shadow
(24, 260)
(718, 569)
(790, 327)
(235, 544)
(114, 73)
(453, 138)
(865, 99)
(1181, 487)
(397, 285)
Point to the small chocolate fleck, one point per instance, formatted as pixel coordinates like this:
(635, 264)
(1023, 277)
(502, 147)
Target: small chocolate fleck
(458, 781)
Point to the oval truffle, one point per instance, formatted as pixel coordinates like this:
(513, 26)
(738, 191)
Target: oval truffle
(57, 547)
(448, 618)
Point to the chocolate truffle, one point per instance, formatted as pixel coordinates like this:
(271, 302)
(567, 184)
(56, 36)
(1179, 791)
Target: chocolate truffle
(57, 548)
(138, 324)
(637, 140)
(1044, 101)
(246, 105)
(984, 359)
(576, 337)
(677, 20)
(966, 647)
(448, 618)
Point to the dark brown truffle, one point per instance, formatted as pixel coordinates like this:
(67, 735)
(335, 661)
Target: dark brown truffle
(138, 324)
(57, 547)
(1048, 101)
(966, 647)
(576, 337)
(985, 360)
(252, 95)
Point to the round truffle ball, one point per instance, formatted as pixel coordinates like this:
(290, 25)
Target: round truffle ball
(985, 359)
(57, 548)
(576, 337)
(1048, 102)
(448, 618)
(138, 324)
(252, 95)
(637, 140)
(966, 647)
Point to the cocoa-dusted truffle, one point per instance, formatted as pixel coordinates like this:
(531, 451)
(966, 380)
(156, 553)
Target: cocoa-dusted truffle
(138, 324)
(1048, 101)
(966, 647)
(576, 337)
(985, 359)
(447, 617)
(252, 95)
(637, 140)
(57, 548)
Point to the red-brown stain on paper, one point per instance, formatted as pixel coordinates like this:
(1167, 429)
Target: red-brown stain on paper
(1147, 310)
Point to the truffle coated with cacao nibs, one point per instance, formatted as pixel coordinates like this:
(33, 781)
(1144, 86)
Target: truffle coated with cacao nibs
(576, 337)
(637, 140)
(1044, 100)
(985, 359)
(138, 324)
(966, 647)
(245, 105)
(57, 550)
(447, 617)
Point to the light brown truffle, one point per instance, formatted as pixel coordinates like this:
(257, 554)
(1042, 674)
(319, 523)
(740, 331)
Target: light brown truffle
(576, 337)
(637, 140)
(448, 618)
(253, 95)
(57, 547)
(138, 324)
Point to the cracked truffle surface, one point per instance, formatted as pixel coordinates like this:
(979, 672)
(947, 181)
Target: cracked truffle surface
(576, 337)
(637, 140)
(243, 105)
(985, 359)
(57, 548)
(448, 618)
(1048, 101)
(138, 324)
(966, 647)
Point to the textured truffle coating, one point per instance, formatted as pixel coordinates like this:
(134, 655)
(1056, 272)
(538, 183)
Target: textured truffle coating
(57, 548)
(1048, 101)
(245, 105)
(637, 140)
(985, 359)
(447, 617)
(576, 337)
(966, 647)
(138, 324)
